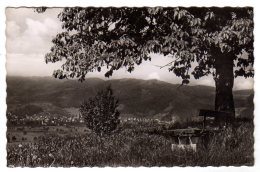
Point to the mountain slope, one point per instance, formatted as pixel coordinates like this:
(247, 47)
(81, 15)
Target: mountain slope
(140, 98)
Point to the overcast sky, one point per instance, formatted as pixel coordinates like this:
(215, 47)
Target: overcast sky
(29, 36)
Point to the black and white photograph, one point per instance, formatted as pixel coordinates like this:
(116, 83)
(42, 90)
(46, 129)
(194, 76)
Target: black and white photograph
(130, 86)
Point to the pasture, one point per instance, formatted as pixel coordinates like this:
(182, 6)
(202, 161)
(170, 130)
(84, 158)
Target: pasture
(130, 145)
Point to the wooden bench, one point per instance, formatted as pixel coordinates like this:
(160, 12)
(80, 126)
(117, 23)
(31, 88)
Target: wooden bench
(189, 138)
(221, 115)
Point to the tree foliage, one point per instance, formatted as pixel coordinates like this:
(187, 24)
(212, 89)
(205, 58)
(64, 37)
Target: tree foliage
(201, 41)
(100, 112)
(124, 37)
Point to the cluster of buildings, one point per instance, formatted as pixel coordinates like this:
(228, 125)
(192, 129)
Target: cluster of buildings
(144, 120)
(46, 119)
(43, 118)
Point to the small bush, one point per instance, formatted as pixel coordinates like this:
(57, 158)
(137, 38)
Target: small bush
(100, 113)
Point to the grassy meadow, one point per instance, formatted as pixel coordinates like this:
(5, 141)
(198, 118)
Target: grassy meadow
(133, 144)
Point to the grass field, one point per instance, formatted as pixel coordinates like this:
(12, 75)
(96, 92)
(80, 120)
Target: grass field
(130, 145)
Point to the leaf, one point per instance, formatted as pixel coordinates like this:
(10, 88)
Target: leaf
(211, 15)
(206, 17)
(185, 81)
(175, 13)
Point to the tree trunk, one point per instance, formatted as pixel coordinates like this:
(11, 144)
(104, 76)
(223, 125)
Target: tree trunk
(224, 81)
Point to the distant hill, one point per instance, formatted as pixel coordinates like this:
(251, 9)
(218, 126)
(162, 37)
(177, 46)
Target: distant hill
(138, 98)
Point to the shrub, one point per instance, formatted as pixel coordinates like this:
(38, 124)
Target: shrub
(100, 112)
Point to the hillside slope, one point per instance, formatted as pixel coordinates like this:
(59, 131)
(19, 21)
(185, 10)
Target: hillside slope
(139, 98)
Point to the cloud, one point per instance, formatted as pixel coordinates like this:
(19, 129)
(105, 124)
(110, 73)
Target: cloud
(30, 36)
(206, 80)
(153, 75)
(241, 83)
(12, 29)
(47, 28)
(35, 39)
(29, 65)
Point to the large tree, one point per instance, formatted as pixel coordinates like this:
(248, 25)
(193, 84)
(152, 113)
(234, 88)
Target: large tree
(201, 41)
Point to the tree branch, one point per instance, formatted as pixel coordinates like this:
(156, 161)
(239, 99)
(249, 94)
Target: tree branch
(168, 64)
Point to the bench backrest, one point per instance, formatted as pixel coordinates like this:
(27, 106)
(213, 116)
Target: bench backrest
(219, 116)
